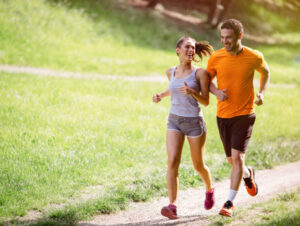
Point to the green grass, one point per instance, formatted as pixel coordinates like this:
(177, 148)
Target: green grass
(63, 135)
(284, 62)
(106, 37)
(280, 211)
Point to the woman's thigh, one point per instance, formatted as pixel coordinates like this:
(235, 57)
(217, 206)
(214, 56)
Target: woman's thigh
(197, 147)
(175, 141)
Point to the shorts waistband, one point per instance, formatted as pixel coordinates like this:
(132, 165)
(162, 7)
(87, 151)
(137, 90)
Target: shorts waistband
(183, 117)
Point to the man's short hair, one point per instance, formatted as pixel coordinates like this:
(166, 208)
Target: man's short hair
(233, 24)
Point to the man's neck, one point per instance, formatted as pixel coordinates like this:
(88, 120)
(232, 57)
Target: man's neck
(237, 51)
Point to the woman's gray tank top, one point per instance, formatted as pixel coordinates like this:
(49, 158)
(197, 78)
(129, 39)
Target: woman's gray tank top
(184, 105)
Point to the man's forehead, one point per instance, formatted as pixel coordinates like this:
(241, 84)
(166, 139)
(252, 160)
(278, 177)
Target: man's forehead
(227, 31)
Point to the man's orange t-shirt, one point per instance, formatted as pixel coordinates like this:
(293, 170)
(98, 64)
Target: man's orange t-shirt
(235, 73)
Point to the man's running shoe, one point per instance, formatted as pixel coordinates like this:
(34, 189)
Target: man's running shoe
(227, 209)
(170, 211)
(250, 184)
(210, 199)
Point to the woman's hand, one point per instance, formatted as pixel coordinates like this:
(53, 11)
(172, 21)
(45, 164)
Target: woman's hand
(156, 98)
(186, 90)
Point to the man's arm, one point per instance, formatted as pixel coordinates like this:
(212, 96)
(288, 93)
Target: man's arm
(264, 81)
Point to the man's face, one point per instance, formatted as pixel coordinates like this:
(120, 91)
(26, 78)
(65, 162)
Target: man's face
(229, 39)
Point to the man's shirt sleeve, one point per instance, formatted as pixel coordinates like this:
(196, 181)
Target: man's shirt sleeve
(261, 63)
(211, 67)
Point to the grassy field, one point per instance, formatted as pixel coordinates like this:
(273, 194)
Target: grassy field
(280, 211)
(61, 135)
(89, 36)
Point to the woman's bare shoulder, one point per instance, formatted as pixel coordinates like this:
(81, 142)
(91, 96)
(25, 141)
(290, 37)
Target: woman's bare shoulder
(201, 72)
(169, 72)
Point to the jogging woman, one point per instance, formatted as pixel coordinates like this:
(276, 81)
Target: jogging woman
(188, 87)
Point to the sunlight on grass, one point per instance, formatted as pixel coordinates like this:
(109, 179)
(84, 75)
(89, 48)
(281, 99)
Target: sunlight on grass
(93, 37)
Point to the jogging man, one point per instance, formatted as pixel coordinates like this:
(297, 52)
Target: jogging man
(234, 67)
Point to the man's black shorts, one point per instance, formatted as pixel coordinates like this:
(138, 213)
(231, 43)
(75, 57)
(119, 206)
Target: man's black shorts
(236, 132)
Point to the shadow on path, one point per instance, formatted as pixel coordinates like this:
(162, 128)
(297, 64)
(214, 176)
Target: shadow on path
(182, 220)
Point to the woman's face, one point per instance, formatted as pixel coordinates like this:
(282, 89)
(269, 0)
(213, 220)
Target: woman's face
(186, 51)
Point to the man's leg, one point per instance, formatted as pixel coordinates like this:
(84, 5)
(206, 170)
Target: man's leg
(241, 129)
(236, 160)
(237, 169)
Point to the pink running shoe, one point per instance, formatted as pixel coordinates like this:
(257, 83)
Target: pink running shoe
(210, 199)
(170, 212)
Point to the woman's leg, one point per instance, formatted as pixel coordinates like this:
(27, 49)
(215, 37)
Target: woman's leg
(197, 146)
(175, 140)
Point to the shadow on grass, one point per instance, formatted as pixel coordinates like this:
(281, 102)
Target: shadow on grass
(291, 219)
(70, 222)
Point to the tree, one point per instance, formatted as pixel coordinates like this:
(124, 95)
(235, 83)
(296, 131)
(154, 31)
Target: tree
(212, 13)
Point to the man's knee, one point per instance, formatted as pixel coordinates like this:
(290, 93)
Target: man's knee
(237, 157)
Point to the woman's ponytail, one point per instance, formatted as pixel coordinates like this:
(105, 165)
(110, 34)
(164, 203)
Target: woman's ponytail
(203, 48)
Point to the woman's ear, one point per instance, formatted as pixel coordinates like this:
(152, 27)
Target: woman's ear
(177, 51)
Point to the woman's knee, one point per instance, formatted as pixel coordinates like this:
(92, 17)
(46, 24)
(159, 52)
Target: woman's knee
(173, 162)
(200, 167)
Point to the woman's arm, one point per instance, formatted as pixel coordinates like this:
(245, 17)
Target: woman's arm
(203, 78)
(219, 93)
(157, 97)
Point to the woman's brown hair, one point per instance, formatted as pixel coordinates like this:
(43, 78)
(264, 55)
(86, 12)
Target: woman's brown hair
(201, 48)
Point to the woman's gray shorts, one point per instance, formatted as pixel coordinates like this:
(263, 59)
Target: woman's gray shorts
(190, 126)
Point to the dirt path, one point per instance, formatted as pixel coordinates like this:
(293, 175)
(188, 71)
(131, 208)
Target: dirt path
(78, 75)
(190, 203)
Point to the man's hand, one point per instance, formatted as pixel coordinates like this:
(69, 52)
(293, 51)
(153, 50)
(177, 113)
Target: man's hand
(186, 90)
(259, 100)
(156, 98)
(222, 95)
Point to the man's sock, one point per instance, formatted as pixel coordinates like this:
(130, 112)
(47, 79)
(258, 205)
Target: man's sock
(246, 172)
(232, 194)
